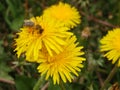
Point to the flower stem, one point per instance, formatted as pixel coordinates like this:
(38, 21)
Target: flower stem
(62, 85)
(39, 83)
(109, 77)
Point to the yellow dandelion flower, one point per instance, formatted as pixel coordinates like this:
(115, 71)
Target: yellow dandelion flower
(64, 13)
(110, 44)
(39, 33)
(63, 65)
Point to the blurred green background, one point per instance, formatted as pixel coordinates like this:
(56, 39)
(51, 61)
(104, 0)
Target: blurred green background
(97, 17)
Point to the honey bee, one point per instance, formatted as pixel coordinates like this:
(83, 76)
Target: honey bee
(39, 28)
(28, 23)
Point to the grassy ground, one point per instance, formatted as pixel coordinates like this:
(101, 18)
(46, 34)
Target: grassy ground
(97, 17)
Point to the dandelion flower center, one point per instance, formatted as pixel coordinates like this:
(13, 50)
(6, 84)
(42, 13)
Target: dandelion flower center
(63, 65)
(116, 43)
(57, 14)
(64, 13)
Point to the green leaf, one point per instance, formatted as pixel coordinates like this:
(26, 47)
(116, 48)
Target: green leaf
(17, 23)
(11, 7)
(24, 83)
(4, 70)
(1, 6)
(1, 48)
